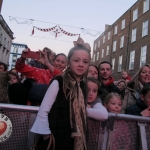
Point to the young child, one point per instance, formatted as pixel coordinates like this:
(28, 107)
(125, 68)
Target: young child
(125, 76)
(63, 109)
(113, 103)
(95, 109)
(142, 106)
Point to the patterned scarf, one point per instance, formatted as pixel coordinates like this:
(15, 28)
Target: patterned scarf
(77, 112)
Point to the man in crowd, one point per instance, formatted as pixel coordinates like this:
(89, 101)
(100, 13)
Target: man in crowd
(106, 79)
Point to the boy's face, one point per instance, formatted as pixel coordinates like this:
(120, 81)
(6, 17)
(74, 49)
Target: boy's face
(124, 75)
(146, 99)
(114, 105)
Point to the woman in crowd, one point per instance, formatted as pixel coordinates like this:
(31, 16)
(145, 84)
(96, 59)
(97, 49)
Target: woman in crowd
(13, 78)
(113, 103)
(132, 95)
(65, 99)
(93, 71)
(42, 76)
(95, 109)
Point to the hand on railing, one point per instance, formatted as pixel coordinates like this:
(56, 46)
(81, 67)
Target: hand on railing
(146, 112)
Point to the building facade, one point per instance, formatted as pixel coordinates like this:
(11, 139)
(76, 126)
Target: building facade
(15, 53)
(6, 37)
(126, 43)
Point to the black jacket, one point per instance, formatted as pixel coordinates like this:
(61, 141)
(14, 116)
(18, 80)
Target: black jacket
(136, 109)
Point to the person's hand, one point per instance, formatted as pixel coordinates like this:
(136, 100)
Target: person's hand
(23, 55)
(146, 112)
(89, 106)
(44, 59)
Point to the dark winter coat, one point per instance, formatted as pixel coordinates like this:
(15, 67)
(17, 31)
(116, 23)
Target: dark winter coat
(136, 109)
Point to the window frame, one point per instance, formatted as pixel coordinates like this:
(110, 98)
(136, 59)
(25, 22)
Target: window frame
(133, 35)
(135, 15)
(132, 59)
(141, 56)
(144, 28)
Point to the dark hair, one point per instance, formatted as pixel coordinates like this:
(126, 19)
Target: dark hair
(145, 89)
(14, 74)
(59, 55)
(91, 79)
(5, 66)
(104, 62)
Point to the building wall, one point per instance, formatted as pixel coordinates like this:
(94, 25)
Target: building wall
(128, 46)
(6, 36)
(16, 51)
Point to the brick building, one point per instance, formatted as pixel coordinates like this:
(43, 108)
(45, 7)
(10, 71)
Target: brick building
(126, 43)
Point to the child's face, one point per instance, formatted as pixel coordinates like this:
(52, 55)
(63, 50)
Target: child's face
(146, 99)
(114, 105)
(121, 85)
(79, 62)
(92, 91)
(124, 75)
(13, 79)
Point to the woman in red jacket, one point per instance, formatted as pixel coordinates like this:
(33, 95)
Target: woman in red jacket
(42, 76)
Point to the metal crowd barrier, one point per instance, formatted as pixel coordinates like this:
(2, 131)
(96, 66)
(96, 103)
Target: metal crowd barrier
(119, 132)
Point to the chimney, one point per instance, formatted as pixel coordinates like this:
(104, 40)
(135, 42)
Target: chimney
(107, 26)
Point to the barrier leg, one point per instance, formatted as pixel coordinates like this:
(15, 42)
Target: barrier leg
(31, 136)
(143, 138)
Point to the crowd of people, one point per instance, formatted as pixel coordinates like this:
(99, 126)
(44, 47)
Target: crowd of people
(75, 89)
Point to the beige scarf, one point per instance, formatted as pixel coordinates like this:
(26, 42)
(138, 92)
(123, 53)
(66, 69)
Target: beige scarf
(77, 114)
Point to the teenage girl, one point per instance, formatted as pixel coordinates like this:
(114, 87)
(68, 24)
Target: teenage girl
(95, 109)
(63, 109)
(113, 103)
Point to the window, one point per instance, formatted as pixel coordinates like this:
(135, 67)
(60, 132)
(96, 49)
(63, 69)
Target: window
(120, 63)
(114, 46)
(145, 6)
(8, 45)
(14, 58)
(123, 24)
(93, 57)
(133, 37)
(97, 58)
(145, 28)
(103, 39)
(135, 14)
(95, 46)
(4, 41)
(98, 43)
(113, 64)
(122, 41)
(102, 53)
(115, 30)
(107, 51)
(15, 50)
(131, 62)
(1, 36)
(108, 35)
(143, 56)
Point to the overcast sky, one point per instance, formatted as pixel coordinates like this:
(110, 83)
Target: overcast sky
(87, 14)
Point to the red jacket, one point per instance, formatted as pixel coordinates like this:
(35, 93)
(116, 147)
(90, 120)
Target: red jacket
(41, 76)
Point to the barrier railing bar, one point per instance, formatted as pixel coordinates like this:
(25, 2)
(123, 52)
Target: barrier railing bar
(19, 107)
(35, 109)
(105, 139)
